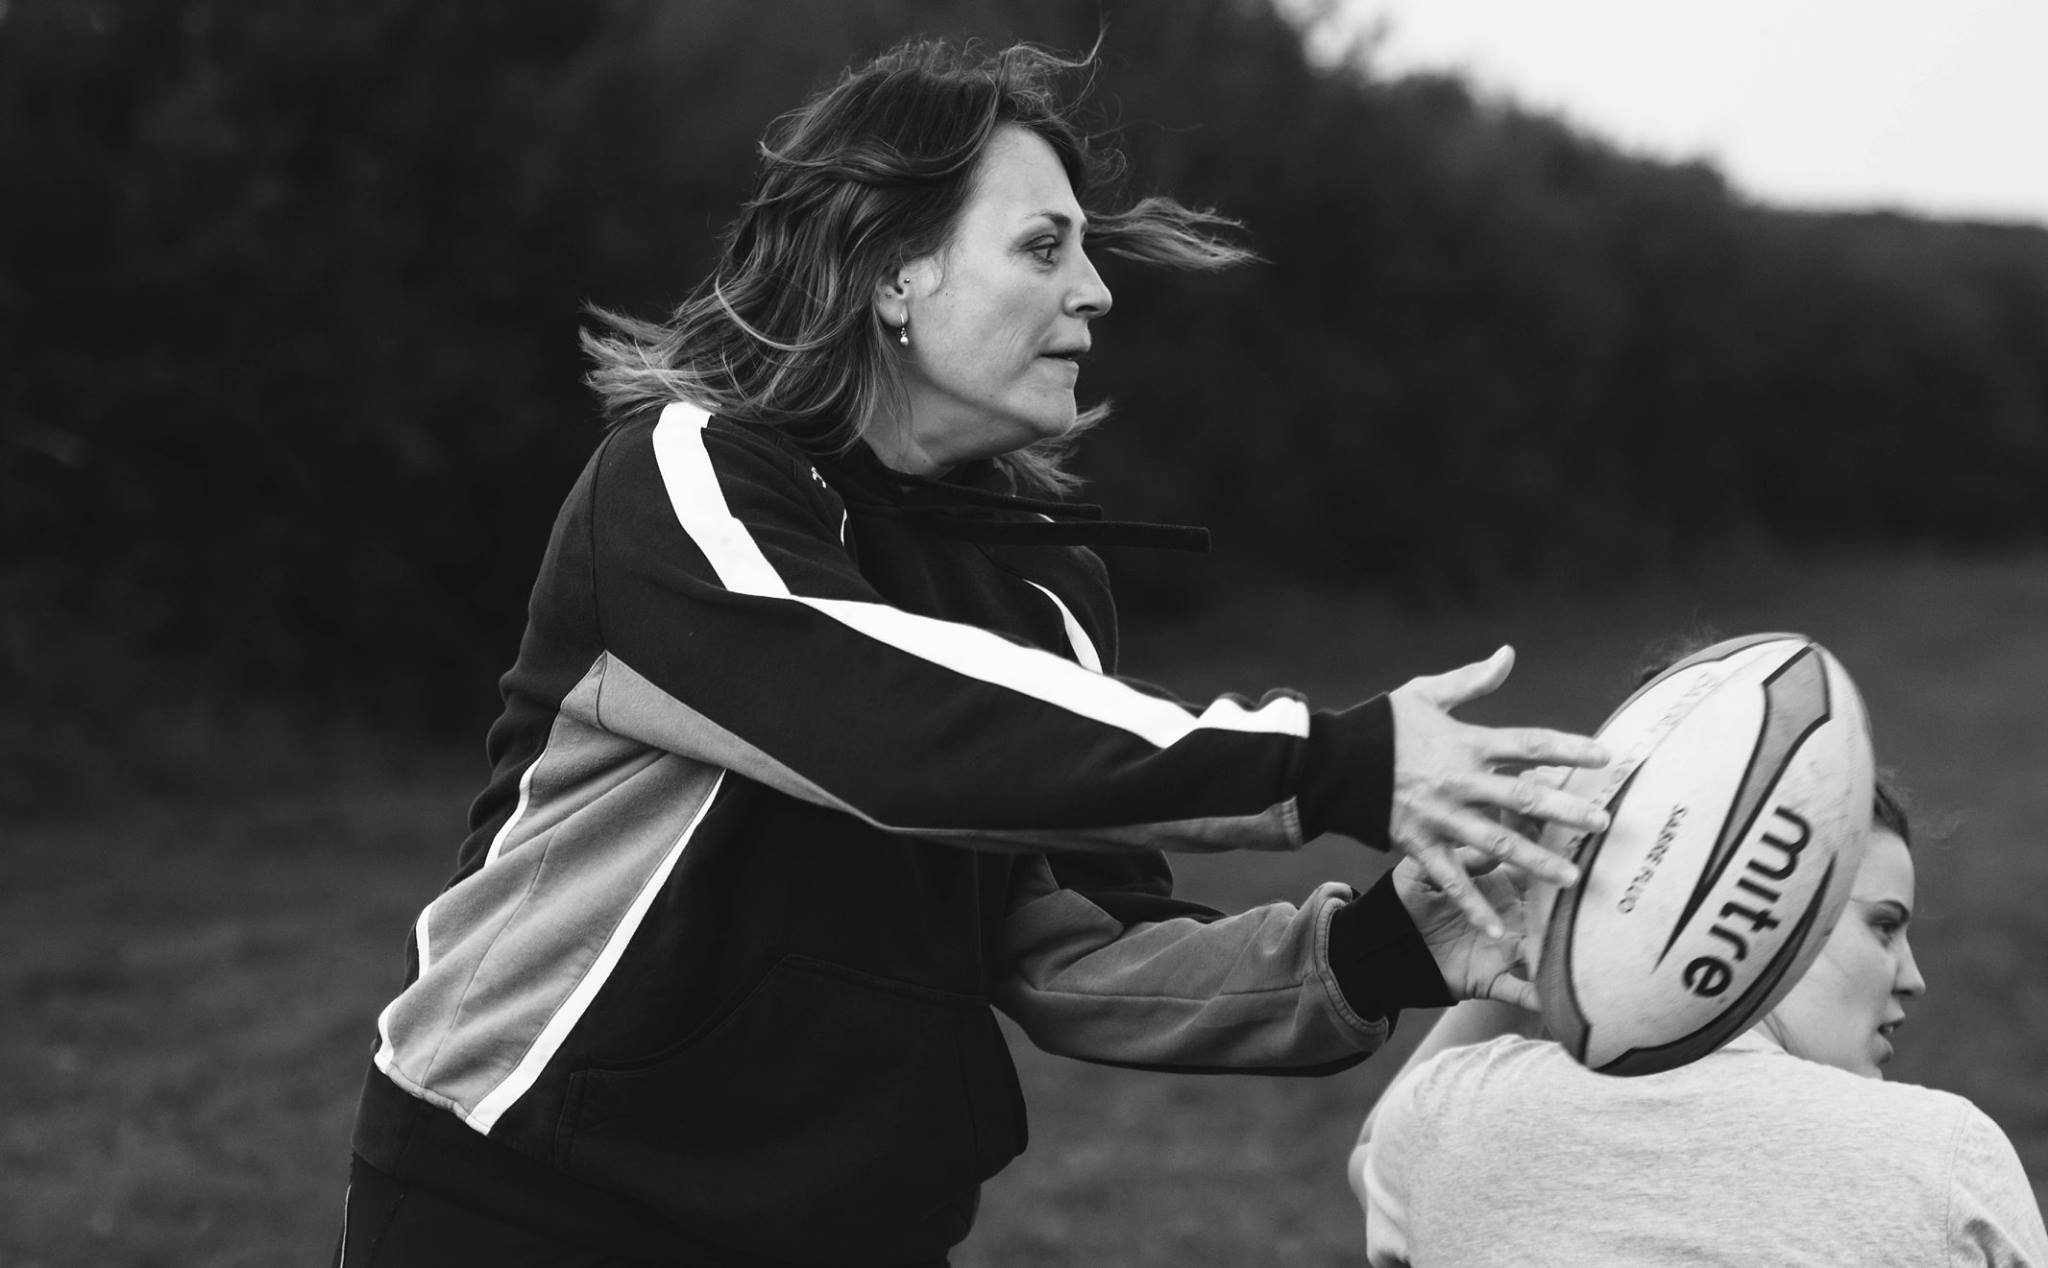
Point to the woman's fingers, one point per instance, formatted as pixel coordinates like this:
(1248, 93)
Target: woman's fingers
(1462, 826)
(1536, 746)
(1515, 990)
(1467, 682)
(1503, 746)
(1452, 791)
(1529, 801)
(1444, 871)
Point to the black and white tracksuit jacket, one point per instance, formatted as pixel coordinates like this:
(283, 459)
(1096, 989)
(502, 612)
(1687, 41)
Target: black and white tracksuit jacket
(803, 766)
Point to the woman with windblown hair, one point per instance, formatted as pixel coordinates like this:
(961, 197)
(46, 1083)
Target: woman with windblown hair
(814, 751)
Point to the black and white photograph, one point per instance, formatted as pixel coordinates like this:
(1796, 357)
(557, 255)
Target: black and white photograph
(1023, 633)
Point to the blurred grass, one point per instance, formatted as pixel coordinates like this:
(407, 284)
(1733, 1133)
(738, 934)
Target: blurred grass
(190, 985)
(190, 993)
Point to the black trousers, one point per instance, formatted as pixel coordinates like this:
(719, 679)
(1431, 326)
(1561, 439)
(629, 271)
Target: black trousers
(387, 1223)
(390, 1224)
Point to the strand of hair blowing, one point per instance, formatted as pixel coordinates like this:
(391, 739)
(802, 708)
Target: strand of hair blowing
(863, 178)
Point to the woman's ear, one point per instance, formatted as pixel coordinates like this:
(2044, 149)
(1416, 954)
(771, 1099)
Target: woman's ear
(892, 297)
(907, 282)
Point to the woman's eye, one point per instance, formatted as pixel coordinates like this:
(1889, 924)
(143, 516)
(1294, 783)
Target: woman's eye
(1045, 250)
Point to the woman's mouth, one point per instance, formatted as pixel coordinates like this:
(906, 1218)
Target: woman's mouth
(1885, 1031)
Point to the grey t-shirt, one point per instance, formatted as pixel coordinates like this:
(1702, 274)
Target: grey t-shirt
(1511, 1153)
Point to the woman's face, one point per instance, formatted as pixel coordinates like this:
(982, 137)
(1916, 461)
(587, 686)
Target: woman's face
(998, 317)
(1843, 1012)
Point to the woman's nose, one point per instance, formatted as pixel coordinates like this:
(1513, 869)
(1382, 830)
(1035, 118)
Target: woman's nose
(1909, 982)
(1090, 296)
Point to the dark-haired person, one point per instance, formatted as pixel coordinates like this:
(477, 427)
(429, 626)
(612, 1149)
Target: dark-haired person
(814, 750)
(1784, 1147)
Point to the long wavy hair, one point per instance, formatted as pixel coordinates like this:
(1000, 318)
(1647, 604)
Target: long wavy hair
(868, 175)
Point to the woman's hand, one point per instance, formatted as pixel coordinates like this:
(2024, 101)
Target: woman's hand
(1474, 964)
(1452, 789)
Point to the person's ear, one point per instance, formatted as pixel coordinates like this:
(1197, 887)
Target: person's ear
(898, 288)
(892, 297)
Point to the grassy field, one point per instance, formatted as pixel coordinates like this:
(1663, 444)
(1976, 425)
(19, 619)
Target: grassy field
(188, 988)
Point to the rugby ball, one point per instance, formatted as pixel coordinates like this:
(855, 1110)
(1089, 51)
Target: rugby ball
(1739, 793)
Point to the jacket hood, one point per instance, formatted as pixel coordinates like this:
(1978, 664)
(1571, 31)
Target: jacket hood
(973, 502)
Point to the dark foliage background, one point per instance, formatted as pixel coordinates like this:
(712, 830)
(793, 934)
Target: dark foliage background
(289, 293)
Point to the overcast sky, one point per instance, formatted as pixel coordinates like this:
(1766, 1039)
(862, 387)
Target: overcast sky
(1940, 108)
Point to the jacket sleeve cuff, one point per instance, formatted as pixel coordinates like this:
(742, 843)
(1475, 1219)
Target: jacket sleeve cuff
(1347, 780)
(1381, 963)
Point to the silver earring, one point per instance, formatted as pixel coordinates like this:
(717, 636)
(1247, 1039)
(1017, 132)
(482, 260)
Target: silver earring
(903, 332)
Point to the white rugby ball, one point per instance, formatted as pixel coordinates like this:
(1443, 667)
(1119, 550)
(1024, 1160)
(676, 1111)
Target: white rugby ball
(1740, 791)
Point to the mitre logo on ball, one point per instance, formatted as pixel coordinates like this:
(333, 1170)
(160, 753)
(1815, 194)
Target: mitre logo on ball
(1740, 796)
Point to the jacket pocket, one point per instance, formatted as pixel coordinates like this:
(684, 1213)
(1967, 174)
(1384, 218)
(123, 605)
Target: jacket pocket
(830, 1113)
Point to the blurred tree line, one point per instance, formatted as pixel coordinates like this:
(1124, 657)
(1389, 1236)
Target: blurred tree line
(289, 295)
